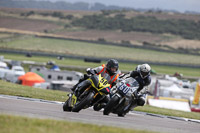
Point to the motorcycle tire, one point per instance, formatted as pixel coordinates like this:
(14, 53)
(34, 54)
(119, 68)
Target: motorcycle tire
(97, 107)
(66, 107)
(121, 115)
(83, 103)
(111, 104)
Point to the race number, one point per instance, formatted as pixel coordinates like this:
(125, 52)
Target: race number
(104, 81)
(123, 88)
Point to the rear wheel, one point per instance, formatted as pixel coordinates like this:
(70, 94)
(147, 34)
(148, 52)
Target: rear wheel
(111, 104)
(85, 101)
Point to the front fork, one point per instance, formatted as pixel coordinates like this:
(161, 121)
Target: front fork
(72, 100)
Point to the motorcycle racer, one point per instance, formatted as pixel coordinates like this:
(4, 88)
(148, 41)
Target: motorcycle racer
(110, 72)
(142, 75)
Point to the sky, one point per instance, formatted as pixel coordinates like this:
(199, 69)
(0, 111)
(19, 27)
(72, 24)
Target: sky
(178, 5)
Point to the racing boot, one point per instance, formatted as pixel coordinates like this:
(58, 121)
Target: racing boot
(98, 106)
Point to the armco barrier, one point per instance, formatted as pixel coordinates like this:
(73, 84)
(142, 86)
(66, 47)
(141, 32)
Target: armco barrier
(92, 60)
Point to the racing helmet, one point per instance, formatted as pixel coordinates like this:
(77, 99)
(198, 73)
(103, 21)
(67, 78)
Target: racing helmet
(144, 70)
(112, 66)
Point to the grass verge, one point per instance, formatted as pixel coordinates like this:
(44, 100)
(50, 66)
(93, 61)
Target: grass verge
(25, 91)
(97, 50)
(18, 124)
(168, 112)
(192, 72)
(7, 88)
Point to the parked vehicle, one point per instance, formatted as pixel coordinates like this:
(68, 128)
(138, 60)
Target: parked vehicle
(185, 83)
(55, 74)
(3, 69)
(13, 74)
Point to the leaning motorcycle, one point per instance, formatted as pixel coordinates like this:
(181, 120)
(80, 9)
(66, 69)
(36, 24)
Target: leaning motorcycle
(98, 88)
(124, 97)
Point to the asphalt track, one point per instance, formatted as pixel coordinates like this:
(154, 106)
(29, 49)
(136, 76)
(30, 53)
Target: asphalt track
(36, 108)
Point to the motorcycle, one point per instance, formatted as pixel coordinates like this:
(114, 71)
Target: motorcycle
(124, 98)
(98, 87)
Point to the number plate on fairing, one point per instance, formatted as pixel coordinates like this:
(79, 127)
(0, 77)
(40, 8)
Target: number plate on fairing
(124, 89)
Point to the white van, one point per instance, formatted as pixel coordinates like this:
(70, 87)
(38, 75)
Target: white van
(13, 74)
(3, 69)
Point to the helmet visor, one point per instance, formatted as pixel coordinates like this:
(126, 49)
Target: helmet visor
(144, 74)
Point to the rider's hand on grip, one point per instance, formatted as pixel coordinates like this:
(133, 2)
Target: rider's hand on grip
(90, 71)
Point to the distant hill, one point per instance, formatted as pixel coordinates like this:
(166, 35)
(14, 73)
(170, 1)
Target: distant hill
(61, 5)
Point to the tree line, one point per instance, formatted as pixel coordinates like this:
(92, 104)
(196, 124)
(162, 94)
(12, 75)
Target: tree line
(185, 28)
(59, 5)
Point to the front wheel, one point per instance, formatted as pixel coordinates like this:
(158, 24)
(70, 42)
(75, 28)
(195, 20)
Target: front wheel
(84, 102)
(66, 106)
(97, 107)
(111, 104)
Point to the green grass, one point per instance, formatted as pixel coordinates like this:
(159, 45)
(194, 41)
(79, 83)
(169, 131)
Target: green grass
(18, 124)
(97, 50)
(7, 88)
(5, 35)
(193, 72)
(25, 91)
(168, 112)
